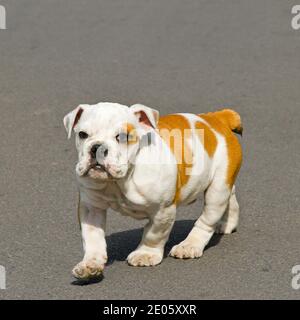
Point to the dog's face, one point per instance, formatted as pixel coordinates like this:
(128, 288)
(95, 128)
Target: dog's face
(108, 137)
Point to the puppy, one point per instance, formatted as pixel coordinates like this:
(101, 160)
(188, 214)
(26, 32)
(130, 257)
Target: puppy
(142, 165)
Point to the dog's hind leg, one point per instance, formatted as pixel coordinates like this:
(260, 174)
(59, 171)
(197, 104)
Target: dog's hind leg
(230, 219)
(215, 203)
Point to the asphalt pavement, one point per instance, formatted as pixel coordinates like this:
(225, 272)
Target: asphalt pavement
(176, 56)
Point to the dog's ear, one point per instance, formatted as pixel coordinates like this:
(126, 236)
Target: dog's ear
(146, 116)
(72, 118)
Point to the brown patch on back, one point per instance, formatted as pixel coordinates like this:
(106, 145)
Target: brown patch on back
(223, 126)
(174, 129)
(207, 137)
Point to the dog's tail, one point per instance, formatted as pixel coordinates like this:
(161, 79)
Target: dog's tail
(231, 119)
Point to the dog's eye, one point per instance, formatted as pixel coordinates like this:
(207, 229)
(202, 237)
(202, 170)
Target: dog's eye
(83, 135)
(122, 137)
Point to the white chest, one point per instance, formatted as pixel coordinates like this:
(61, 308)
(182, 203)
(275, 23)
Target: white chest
(106, 195)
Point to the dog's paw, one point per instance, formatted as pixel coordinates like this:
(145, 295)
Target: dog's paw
(145, 258)
(88, 269)
(186, 250)
(225, 228)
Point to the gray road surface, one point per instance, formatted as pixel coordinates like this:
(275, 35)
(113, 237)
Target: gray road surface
(192, 56)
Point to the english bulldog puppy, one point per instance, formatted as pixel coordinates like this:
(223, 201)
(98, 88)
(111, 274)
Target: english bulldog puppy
(142, 165)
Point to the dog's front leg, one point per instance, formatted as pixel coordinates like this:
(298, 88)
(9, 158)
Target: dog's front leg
(92, 221)
(156, 233)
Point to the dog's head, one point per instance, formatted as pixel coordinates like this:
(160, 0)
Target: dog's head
(108, 137)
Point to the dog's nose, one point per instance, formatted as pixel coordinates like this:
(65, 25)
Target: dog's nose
(99, 151)
(94, 150)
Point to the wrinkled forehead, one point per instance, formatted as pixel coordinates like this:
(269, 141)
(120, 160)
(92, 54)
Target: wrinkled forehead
(105, 117)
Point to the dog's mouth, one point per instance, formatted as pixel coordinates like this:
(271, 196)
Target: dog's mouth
(92, 165)
(98, 171)
(98, 167)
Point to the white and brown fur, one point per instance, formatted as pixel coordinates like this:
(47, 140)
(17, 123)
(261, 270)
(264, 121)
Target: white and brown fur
(149, 190)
